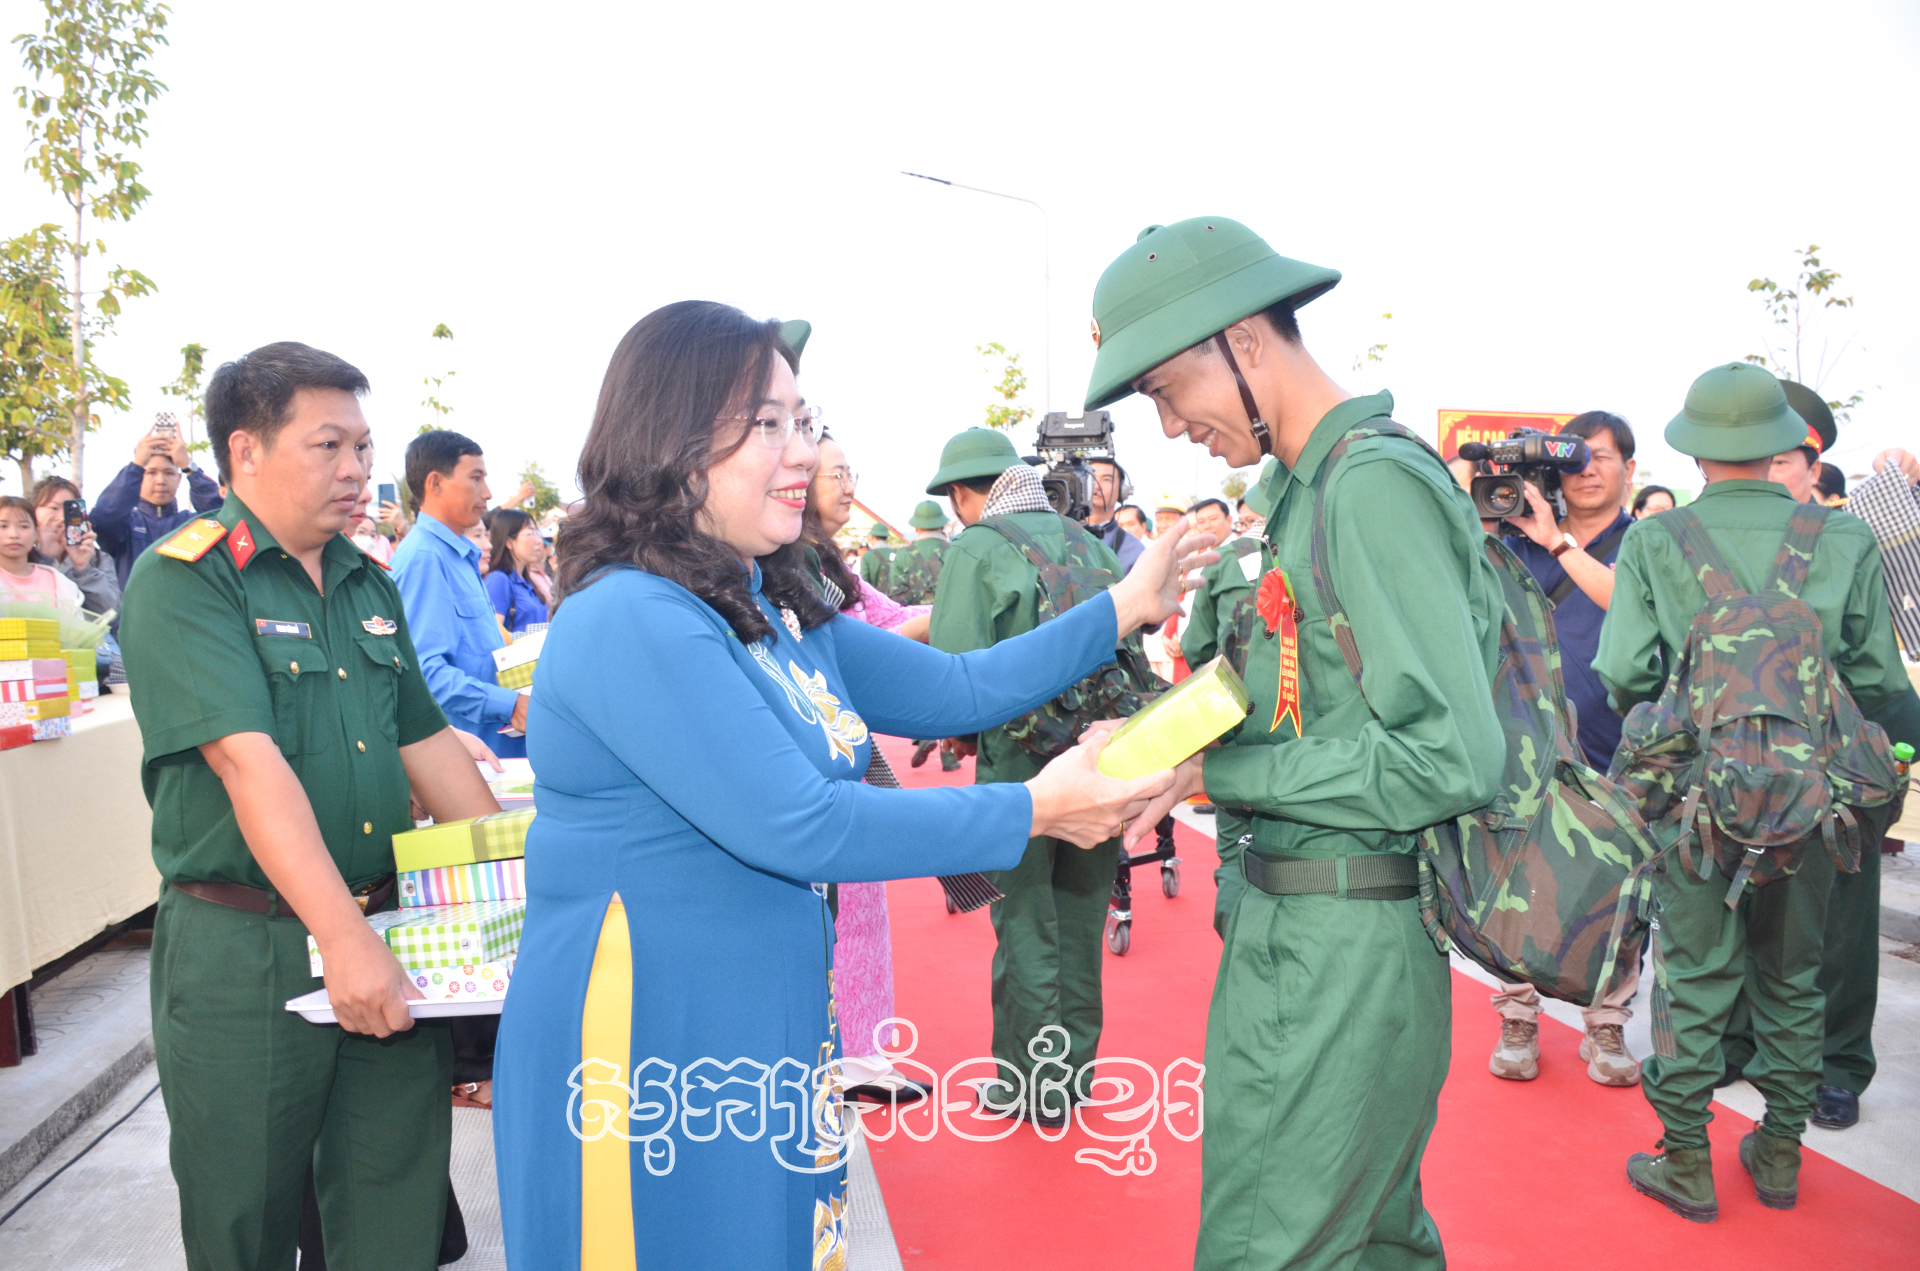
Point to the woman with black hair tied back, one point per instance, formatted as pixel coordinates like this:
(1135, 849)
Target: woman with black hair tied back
(665, 1078)
(516, 579)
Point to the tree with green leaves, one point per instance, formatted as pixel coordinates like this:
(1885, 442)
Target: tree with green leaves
(86, 110)
(1799, 308)
(1234, 486)
(186, 387)
(546, 495)
(436, 385)
(37, 354)
(1003, 414)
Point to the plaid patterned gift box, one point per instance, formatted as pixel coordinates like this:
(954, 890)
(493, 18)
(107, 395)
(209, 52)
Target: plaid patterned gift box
(513, 664)
(496, 837)
(462, 884)
(442, 936)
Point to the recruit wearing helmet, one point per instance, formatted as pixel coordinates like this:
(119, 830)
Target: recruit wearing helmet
(1180, 285)
(1736, 413)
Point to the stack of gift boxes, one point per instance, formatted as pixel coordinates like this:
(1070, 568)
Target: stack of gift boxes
(463, 899)
(37, 688)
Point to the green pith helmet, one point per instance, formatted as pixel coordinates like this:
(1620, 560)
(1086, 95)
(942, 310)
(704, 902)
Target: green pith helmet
(879, 531)
(795, 333)
(977, 452)
(928, 516)
(1179, 284)
(1736, 414)
(1821, 431)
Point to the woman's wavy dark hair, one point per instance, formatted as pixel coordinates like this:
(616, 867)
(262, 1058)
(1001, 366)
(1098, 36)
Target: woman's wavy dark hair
(833, 566)
(643, 470)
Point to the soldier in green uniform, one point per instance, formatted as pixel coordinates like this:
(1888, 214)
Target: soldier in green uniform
(284, 719)
(915, 568)
(1328, 1036)
(1046, 966)
(1222, 624)
(1736, 419)
(1850, 958)
(873, 565)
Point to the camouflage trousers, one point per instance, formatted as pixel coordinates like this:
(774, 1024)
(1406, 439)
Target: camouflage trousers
(1705, 951)
(1849, 981)
(1049, 947)
(1229, 881)
(1327, 1044)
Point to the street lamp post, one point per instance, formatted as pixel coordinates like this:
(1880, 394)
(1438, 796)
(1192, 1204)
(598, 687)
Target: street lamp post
(1046, 277)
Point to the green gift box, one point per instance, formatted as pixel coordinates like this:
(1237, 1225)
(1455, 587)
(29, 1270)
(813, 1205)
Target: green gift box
(513, 665)
(1178, 723)
(444, 935)
(498, 836)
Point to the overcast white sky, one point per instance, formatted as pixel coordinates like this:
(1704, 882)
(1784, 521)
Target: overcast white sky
(1560, 207)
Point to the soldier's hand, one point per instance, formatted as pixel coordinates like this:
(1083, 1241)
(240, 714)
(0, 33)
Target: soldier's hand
(1185, 784)
(962, 747)
(1151, 591)
(519, 719)
(366, 985)
(1075, 801)
(478, 749)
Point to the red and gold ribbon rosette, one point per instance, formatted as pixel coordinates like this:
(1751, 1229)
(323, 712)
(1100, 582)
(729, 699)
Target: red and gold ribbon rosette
(1280, 610)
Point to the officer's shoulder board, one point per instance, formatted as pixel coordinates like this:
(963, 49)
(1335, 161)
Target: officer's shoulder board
(193, 541)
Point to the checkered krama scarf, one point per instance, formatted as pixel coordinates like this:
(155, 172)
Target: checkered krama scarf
(1018, 490)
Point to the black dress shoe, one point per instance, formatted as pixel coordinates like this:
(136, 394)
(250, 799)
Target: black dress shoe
(1836, 1109)
(896, 1089)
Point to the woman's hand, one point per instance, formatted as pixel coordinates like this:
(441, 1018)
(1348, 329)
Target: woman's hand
(1897, 458)
(1073, 800)
(1150, 593)
(81, 553)
(1185, 784)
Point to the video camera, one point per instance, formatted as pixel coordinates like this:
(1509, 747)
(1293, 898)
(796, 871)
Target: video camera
(1527, 456)
(1066, 443)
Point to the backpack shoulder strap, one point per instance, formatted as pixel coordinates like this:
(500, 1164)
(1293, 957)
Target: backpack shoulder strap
(1796, 550)
(1702, 556)
(1022, 541)
(1337, 621)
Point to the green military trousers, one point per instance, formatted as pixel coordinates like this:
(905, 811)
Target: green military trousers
(1327, 1045)
(255, 1095)
(1229, 828)
(1046, 966)
(1849, 981)
(1704, 952)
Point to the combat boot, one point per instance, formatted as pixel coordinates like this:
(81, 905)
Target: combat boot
(1681, 1178)
(1775, 1167)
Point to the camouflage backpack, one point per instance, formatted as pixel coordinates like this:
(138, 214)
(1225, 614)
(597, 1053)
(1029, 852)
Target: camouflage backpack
(913, 572)
(1755, 751)
(1547, 883)
(1116, 690)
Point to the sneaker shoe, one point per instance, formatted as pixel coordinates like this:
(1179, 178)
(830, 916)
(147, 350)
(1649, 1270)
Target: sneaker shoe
(1605, 1051)
(1774, 1166)
(1835, 1109)
(1679, 1178)
(1517, 1057)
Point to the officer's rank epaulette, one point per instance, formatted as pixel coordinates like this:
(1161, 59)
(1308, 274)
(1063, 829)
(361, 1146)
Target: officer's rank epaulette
(193, 542)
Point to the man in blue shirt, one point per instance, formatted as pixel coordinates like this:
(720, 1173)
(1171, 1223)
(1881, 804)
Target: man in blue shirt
(137, 508)
(438, 569)
(1572, 560)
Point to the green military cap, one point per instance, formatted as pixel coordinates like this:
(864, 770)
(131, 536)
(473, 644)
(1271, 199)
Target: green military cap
(977, 452)
(928, 516)
(879, 530)
(795, 334)
(1179, 284)
(1735, 414)
(1821, 432)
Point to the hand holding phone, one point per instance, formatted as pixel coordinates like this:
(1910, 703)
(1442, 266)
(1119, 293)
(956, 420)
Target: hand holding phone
(74, 513)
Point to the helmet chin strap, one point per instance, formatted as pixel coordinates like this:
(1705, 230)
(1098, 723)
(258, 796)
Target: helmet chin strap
(1260, 431)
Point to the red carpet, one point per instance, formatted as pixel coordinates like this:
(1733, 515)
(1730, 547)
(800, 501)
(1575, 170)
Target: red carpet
(1517, 1175)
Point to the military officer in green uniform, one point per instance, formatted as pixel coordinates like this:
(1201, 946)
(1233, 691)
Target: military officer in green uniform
(873, 565)
(1223, 623)
(284, 719)
(915, 568)
(1850, 958)
(1328, 1035)
(1736, 419)
(1046, 964)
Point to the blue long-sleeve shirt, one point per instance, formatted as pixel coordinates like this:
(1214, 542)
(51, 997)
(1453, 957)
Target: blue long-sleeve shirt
(127, 525)
(454, 630)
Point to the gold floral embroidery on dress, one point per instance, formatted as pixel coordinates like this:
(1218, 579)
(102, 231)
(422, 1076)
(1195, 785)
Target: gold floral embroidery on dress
(811, 701)
(830, 1234)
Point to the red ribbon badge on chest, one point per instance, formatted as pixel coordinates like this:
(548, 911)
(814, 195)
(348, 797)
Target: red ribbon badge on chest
(1278, 608)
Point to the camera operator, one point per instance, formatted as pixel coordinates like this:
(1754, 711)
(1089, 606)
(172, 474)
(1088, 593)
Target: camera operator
(1109, 484)
(1572, 560)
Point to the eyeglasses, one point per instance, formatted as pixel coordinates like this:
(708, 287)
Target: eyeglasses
(847, 477)
(776, 426)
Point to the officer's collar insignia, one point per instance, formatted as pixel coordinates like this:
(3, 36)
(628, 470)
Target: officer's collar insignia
(377, 625)
(240, 543)
(193, 542)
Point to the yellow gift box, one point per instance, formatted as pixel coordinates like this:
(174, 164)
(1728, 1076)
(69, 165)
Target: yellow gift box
(35, 711)
(21, 650)
(499, 836)
(35, 629)
(513, 664)
(1182, 720)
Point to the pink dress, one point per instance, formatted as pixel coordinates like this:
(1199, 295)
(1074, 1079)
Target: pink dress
(863, 957)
